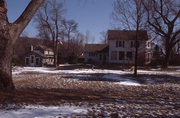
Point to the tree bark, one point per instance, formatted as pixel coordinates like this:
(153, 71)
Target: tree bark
(136, 53)
(5, 63)
(167, 55)
(9, 33)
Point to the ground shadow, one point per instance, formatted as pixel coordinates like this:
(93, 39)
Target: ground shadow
(145, 79)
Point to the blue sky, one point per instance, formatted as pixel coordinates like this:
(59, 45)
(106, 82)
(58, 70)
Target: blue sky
(91, 15)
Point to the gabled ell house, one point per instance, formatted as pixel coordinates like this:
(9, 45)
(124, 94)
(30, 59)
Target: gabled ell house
(39, 56)
(120, 48)
(96, 53)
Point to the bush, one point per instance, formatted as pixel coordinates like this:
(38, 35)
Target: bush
(16, 61)
(72, 59)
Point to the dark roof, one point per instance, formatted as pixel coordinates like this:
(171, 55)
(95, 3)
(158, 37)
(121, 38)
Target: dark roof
(95, 47)
(34, 52)
(126, 35)
(39, 53)
(43, 47)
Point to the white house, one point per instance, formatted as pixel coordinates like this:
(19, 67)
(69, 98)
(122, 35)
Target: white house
(121, 48)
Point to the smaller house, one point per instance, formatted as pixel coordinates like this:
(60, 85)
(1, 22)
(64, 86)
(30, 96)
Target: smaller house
(96, 53)
(39, 56)
(154, 53)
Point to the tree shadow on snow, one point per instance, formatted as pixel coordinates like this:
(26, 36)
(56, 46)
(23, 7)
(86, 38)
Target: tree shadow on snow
(145, 79)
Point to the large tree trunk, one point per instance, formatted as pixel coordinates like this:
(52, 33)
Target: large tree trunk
(168, 52)
(5, 63)
(9, 32)
(5, 49)
(167, 58)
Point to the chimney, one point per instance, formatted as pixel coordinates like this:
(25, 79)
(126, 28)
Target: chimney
(32, 48)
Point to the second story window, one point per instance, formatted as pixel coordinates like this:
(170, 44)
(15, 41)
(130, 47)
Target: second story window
(120, 44)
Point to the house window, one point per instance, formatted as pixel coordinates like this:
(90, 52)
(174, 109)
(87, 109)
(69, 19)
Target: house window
(117, 45)
(91, 54)
(132, 44)
(32, 58)
(120, 44)
(27, 61)
(129, 55)
(114, 55)
(123, 44)
(121, 55)
(137, 43)
(148, 44)
(46, 52)
(51, 53)
(100, 57)
(37, 60)
(148, 56)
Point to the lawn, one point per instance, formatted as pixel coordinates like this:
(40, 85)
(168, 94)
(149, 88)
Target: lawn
(85, 92)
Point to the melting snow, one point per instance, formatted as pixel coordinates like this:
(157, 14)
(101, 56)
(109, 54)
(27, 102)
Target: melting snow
(44, 112)
(112, 75)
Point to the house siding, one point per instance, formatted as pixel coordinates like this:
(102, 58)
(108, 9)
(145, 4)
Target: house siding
(98, 58)
(34, 61)
(38, 57)
(122, 48)
(126, 48)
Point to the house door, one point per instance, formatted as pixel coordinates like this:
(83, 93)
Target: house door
(32, 60)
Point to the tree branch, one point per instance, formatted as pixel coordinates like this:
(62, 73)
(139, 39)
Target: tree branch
(3, 11)
(28, 13)
(174, 38)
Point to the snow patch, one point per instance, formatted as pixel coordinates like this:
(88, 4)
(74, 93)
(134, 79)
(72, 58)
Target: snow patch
(119, 80)
(44, 112)
(129, 83)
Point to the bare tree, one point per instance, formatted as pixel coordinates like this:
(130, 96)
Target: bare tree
(9, 33)
(48, 19)
(163, 16)
(69, 27)
(104, 37)
(75, 50)
(130, 15)
(88, 37)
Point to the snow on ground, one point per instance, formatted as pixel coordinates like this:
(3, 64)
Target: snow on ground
(123, 81)
(19, 70)
(177, 70)
(44, 112)
(115, 76)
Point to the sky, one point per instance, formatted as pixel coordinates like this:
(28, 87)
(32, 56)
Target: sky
(93, 16)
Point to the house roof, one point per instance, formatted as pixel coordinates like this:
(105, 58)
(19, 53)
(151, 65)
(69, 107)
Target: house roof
(34, 52)
(43, 47)
(96, 48)
(126, 35)
(39, 53)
